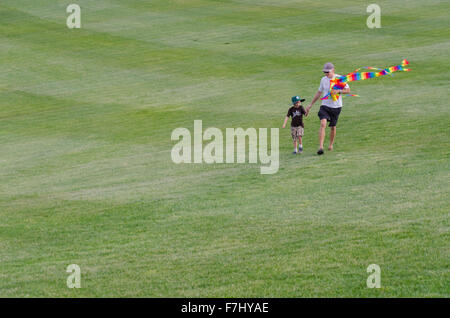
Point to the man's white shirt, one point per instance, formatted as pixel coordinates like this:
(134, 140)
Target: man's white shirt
(324, 88)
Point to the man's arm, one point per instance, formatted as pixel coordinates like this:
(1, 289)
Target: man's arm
(315, 98)
(341, 91)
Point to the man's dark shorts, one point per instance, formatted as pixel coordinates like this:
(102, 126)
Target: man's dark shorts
(330, 114)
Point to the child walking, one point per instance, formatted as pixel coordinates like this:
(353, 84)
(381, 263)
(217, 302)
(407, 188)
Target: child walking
(297, 128)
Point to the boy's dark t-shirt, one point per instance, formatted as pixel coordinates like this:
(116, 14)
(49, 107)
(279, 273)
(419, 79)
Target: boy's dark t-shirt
(297, 116)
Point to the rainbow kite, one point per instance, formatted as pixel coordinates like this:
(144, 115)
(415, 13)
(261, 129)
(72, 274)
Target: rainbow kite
(340, 81)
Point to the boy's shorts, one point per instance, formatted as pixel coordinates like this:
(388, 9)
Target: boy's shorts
(296, 132)
(330, 114)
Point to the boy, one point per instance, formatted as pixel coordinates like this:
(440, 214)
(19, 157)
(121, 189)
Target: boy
(297, 128)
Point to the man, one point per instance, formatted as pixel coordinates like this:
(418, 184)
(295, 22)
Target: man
(329, 110)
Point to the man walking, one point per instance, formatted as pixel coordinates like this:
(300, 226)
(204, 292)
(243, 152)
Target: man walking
(329, 110)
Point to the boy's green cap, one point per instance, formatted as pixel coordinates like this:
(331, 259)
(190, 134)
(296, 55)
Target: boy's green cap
(297, 99)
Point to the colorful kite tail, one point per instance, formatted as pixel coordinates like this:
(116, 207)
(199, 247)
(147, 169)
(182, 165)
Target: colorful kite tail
(339, 83)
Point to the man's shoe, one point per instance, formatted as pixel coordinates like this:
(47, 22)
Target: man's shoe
(300, 149)
(294, 153)
(320, 151)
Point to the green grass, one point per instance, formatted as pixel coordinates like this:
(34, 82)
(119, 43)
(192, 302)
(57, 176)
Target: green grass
(86, 176)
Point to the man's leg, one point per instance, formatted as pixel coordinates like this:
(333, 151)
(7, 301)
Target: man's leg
(300, 145)
(332, 136)
(323, 124)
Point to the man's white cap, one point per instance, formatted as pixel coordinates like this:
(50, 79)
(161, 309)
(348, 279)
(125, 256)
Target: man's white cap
(328, 67)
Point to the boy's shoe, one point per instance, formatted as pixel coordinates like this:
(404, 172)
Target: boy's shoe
(294, 153)
(320, 151)
(300, 149)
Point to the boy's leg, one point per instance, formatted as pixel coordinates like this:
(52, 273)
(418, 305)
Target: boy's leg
(300, 144)
(295, 146)
(294, 138)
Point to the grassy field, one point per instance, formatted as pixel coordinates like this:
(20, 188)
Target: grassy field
(86, 176)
